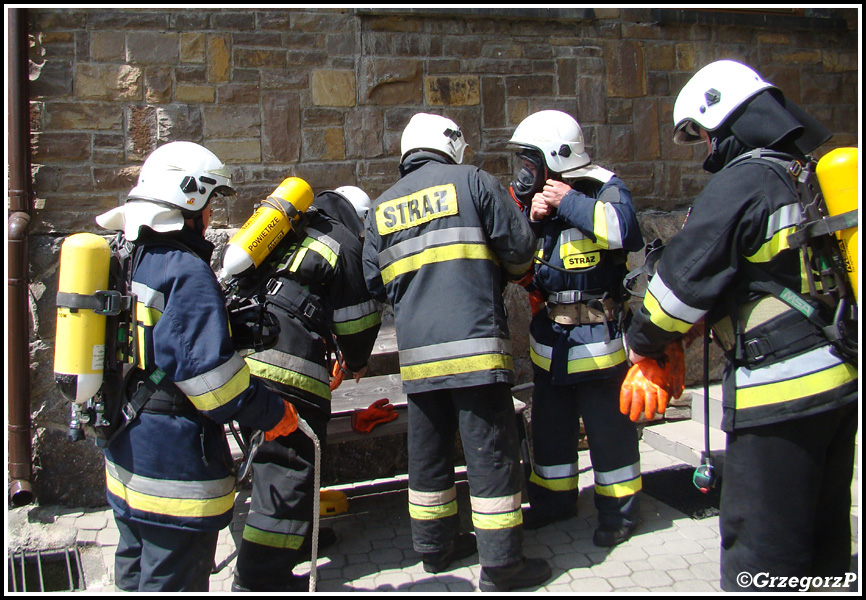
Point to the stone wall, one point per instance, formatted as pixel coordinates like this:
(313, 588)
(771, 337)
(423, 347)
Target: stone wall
(324, 94)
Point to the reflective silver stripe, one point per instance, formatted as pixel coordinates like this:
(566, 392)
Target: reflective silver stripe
(618, 475)
(813, 361)
(439, 237)
(350, 313)
(672, 305)
(171, 488)
(149, 296)
(571, 235)
(292, 363)
(595, 349)
(785, 217)
(451, 350)
(432, 498)
(493, 506)
(540, 349)
(327, 240)
(213, 379)
(556, 471)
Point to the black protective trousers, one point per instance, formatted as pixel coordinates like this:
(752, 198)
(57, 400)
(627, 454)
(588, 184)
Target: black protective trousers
(484, 416)
(786, 501)
(613, 449)
(281, 507)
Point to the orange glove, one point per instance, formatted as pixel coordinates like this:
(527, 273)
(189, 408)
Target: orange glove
(336, 376)
(377, 413)
(287, 424)
(649, 385)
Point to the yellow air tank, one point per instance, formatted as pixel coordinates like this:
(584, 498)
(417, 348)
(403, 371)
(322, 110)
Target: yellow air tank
(837, 175)
(79, 343)
(269, 224)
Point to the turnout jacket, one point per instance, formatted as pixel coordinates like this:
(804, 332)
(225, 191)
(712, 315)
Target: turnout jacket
(588, 237)
(779, 366)
(325, 269)
(173, 467)
(440, 245)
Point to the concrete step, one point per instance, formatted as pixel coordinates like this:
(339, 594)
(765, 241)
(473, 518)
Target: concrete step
(715, 405)
(684, 440)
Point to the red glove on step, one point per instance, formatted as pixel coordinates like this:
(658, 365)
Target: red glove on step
(377, 413)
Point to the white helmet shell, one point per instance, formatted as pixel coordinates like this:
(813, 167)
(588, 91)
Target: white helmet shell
(558, 137)
(711, 95)
(357, 197)
(433, 132)
(182, 174)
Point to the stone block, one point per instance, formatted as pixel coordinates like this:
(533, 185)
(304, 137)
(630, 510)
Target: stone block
(281, 140)
(237, 151)
(626, 69)
(114, 83)
(152, 48)
(64, 146)
(141, 134)
(390, 81)
(364, 129)
(195, 93)
(325, 143)
(64, 116)
(179, 122)
(454, 90)
(255, 58)
(157, 85)
(333, 87)
(115, 178)
(646, 129)
(493, 102)
(193, 47)
(109, 46)
(218, 58)
(232, 121)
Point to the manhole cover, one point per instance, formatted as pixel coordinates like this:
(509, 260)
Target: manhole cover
(46, 571)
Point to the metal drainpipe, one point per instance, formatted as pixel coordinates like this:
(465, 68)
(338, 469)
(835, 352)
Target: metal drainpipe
(20, 450)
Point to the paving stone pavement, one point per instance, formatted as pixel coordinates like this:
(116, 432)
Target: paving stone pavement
(669, 553)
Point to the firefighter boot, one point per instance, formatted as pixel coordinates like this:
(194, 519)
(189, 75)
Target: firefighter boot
(527, 572)
(436, 562)
(607, 537)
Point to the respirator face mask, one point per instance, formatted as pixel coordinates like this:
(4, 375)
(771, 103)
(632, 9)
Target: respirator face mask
(529, 180)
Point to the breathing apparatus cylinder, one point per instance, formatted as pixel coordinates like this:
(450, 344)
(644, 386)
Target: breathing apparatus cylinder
(837, 176)
(79, 343)
(270, 223)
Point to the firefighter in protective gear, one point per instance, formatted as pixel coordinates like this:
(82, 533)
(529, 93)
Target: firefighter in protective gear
(584, 216)
(317, 294)
(789, 402)
(440, 246)
(169, 473)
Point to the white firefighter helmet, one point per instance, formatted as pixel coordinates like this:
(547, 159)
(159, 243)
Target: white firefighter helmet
(357, 197)
(184, 175)
(711, 95)
(557, 136)
(433, 132)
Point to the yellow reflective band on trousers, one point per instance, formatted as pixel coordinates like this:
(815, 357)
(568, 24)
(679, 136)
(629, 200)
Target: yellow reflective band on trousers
(557, 478)
(496, 513)
(820, 372)
(437, 255)
(456, 366)
(183, 499)
(427, 506)
(619, 483)
(272, 539)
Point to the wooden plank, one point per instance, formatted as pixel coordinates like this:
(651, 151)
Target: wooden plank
(352, 395)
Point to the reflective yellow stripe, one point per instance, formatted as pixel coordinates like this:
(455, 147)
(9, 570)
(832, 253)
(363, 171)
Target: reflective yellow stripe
(456, 366)
(269, 538)
(289, 378)
(620, 490)
(595, 363)
(799, 387)
(141, 352)
(661, 318)
(146, 315)
(772, 247)
(322, 250)
(561, 484)
(429, 513)
(174, 507)
(436, 255)
(599, 225)
(540, 361)
(357, 325)
(501, 521)
(225, 393)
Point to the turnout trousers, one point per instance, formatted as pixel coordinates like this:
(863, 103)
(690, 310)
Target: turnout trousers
(484, 415)
(786, 500)
(155, 558)
(281, 506)
(613, 449)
